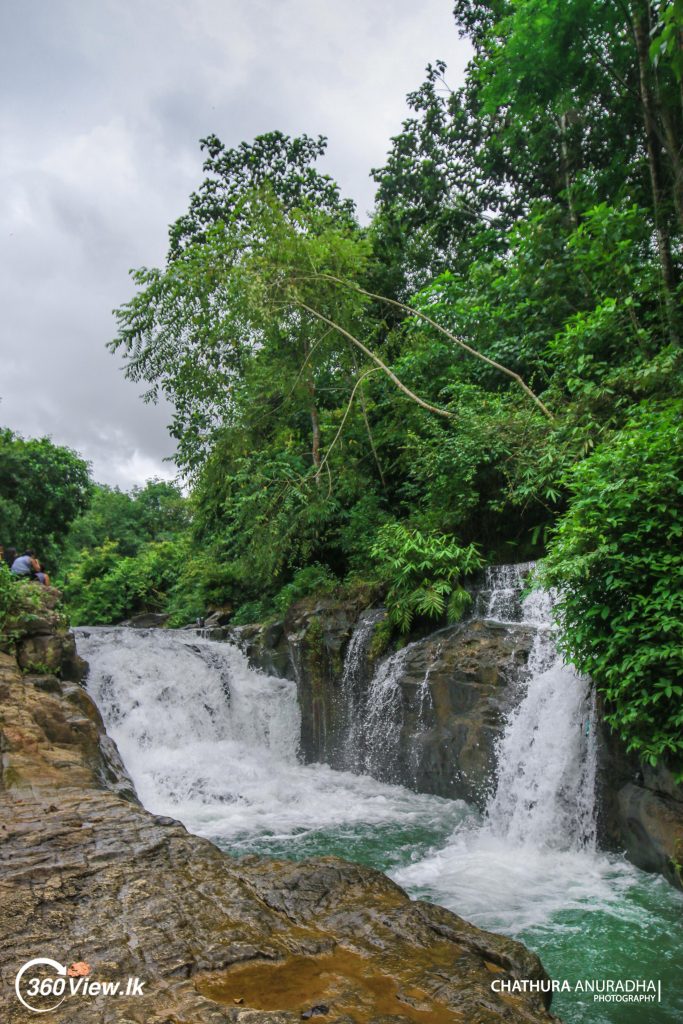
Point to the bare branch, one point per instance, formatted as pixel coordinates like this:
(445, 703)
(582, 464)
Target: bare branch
(344, 417)
(375, 358)
(449, 334)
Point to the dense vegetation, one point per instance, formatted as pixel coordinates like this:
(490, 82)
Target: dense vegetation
(487, 371)
(43, 489)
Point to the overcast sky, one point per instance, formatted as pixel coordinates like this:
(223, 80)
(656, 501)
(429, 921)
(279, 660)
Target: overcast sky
(104, 102)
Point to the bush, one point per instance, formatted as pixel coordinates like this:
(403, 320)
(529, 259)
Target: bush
(312, 579)
(423, 571)
(103, 587)
(617, 558)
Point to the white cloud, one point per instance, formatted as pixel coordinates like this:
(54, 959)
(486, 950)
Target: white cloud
(104, 106)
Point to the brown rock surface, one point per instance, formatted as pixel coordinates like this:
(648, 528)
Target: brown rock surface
(88, 877)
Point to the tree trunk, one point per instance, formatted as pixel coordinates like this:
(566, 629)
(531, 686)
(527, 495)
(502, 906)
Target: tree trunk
(672, 151)
(641, 32)
(564, 167)
(315, 430)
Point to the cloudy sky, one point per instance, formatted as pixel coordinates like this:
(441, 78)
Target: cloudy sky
(104, 102)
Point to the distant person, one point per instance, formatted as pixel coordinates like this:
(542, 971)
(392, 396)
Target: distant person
(8, 556)
(25, 566)
(41, 576)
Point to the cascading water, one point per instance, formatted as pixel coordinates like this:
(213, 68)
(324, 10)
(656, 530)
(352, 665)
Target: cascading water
(381, 719)
(543, 805)
(211, 742)
(352, 691)
(547, 756)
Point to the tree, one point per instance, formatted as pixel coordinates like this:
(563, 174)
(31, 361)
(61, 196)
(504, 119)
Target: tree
(155, 512)
(284, 165)
(195, 330)
(43, 488)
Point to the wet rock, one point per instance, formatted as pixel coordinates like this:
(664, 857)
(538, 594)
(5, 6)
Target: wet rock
(471, 672)
(640, 810)
(147, 620)
(319, 1010)
(219, 617)
(446, 738)
(652, 830)
(40, 653)
(266, 647)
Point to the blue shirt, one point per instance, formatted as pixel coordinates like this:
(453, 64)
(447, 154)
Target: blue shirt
(22, 566)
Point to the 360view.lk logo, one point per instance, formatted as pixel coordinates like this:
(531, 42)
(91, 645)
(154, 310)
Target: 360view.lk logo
(43, 984)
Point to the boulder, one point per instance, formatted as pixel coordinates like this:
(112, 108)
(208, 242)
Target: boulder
(472, 674)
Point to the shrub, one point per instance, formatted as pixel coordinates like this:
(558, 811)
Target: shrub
(423, 571)
(312, 579)
(617, 558)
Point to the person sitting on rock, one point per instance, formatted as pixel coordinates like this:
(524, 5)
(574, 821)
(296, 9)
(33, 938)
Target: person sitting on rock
(41, 576)
(25, 566)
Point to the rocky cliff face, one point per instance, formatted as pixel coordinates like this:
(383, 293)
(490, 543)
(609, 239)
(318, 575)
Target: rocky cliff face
(642, 811)
(87, 876)
(446, 742)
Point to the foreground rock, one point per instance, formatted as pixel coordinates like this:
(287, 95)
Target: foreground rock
(87, 876)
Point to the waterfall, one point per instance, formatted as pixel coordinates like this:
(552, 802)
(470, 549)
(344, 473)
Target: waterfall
(547, 761)
(547, 755)
(539, 824)
(382, 718)
(351, 695)
(208, 740)
(211, 741)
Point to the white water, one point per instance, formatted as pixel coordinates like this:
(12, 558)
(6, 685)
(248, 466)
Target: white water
(351, 691)
(214, 743)
(537, 838)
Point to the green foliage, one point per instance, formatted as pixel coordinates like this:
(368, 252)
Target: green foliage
(381, 638)
(8, 595)
(424, 573)
(312, 579)
(43, 488)
(19, 603)
(154, 512)
(617, 559)
(286, 165)
(104, 587)
(666, 44)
